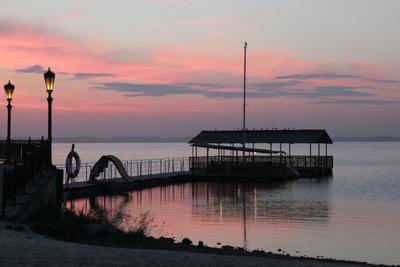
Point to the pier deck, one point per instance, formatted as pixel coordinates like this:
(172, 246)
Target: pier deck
(108, 186)
(147, 173)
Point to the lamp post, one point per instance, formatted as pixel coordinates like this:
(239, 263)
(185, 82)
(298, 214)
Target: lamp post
(49, 78)
(9, 90)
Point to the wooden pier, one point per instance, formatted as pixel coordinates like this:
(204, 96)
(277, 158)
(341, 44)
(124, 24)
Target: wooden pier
(269, 161)
(111, 186)
(265, 156)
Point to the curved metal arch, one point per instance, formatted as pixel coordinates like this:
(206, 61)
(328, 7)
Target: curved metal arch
(102, 164)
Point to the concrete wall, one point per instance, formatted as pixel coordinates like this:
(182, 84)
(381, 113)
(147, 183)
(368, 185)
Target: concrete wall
(3, 167)
(48, 195)
(1, 191)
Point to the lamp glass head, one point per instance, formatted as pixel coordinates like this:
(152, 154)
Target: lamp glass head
(49, 78)
(9, 90)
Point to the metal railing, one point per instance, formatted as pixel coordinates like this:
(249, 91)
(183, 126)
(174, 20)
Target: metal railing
(134, 168)
(24, 150)
(299, 162)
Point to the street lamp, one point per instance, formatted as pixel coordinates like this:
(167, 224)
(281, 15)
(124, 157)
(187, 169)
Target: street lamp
(49, 78)
(9, 90)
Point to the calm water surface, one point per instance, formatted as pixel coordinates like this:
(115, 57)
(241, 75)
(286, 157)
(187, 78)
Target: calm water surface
(353, 215)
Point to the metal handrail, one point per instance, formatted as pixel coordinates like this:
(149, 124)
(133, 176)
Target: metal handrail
(25, 142)
(135, 168)
(295, 161)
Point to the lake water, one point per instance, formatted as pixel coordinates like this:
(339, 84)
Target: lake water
(354, 215)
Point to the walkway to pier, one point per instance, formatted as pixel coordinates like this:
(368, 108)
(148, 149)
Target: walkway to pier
(139, 170)
(124, 175)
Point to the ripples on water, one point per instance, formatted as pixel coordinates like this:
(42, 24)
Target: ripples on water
(353, 215)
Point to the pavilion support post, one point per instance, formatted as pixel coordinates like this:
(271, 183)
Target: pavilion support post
(326, 155)
(310, 156)
(196, 151)
(253, 153)
(280, 153)
(270, 149)
(237, 156)
(319, 154)
(208, 151)
(290, 154)
(219, 154)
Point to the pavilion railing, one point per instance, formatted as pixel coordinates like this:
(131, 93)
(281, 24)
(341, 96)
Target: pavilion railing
(299, 162)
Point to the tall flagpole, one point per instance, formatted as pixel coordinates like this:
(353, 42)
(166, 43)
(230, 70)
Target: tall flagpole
(244, 100)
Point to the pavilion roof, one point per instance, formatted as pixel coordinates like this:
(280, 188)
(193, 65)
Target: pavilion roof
(263, 136)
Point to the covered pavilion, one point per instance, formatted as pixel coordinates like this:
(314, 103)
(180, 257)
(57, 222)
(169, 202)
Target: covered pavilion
(252, 149)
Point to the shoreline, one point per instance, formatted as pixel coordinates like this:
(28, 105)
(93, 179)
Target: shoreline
(21, 246)
(13, 239)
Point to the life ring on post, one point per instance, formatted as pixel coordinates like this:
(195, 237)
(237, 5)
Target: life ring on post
(68, 163)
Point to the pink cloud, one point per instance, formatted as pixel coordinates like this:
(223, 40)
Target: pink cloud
(23, 45)
(367, 68)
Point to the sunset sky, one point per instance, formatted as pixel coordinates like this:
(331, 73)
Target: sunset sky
(174, 67)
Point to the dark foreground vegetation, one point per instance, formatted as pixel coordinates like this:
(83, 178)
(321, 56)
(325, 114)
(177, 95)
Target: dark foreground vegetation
(97, 230)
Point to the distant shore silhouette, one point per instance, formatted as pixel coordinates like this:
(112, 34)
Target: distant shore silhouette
(156, 139)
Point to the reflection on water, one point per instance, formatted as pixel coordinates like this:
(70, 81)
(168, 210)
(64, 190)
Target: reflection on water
(353, 215)
(297, 216)
(210, 206)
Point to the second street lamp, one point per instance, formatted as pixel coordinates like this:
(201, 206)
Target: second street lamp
(9, 90)
(49, 78)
